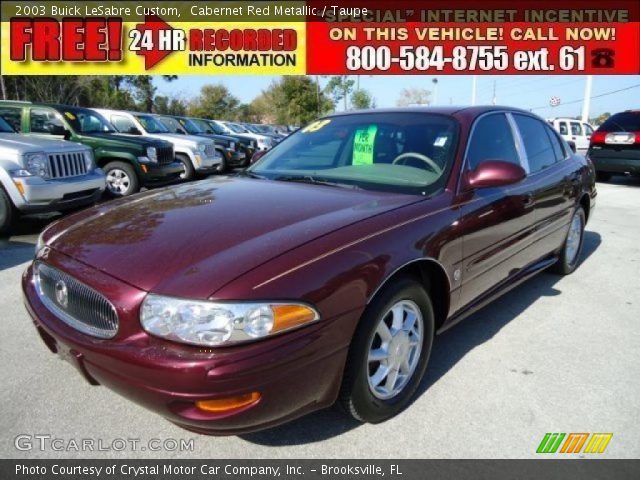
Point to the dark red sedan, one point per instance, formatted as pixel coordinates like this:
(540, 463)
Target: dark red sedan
(321, 273)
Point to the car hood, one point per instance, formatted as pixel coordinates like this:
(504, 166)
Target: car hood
(190, 240)
(14, 142)
(189, 141)
(138, 140)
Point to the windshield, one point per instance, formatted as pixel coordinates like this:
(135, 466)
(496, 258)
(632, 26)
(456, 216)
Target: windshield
(202, 125)
(151, 124)
(215, 128)
(172, 125)
(405, 152)
(83, 120)
(5, 127)
(251, 128)
(236, 128)
(622, 122)
(190, 126)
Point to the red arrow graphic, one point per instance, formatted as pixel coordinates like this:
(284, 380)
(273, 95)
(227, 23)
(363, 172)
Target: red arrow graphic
(153, 24)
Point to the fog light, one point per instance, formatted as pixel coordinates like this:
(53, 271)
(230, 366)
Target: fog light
(220, 405)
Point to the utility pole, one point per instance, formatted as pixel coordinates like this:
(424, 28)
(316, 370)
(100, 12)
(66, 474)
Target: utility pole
(435, 90)
(495, 99)
(586, 102)
(474, 85)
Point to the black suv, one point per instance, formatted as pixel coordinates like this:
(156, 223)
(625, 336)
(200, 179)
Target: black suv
(615, 146)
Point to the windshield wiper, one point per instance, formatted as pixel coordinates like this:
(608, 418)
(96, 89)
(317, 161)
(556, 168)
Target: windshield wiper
(246, 173)
(314, 181)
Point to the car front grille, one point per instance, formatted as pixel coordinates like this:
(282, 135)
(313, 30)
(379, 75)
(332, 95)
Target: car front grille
(76, 304)
(210, 150)
(165, 155)
(64, 165)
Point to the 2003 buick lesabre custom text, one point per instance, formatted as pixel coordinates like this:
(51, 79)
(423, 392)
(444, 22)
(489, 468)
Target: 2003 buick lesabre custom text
(367, 233)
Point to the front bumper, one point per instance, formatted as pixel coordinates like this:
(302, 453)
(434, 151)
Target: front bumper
(155, 175)
(203, 163)
(295, 373)
(37, 195)
(235, 158)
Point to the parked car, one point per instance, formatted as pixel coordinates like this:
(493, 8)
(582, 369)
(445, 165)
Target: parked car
(128, 162)
(615, 146)
(247, 143)
(574, 130)
(373, 231)
(263, 142)
(266, 130)
(232, 153)
(39, 176)
(198, 156)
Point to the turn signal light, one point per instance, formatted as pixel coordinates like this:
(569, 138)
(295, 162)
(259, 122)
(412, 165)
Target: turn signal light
(220, 405)
(20, 187)
(290, 316)
(144, 168)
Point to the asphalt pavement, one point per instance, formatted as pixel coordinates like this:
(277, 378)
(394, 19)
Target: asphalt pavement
(557, 354)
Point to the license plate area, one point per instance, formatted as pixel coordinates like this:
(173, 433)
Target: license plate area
(620, 138)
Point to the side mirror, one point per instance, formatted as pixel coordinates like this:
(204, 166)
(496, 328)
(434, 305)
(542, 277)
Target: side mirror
(572, 145)
(60, 130)
(134, 131)
(257, 156)
(494, 173)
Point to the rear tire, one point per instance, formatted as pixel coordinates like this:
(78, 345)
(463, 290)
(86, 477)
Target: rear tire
(189, 171)
(603, 176)
(569, 258)
(122, 180)
(389, 352)
(7, 212)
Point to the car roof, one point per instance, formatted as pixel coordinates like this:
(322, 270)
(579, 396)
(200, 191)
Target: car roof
(445, 110)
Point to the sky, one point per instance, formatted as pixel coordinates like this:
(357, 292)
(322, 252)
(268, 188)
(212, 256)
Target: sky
(523, 91)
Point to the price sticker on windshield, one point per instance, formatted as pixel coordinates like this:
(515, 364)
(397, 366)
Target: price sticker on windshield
(363, 143)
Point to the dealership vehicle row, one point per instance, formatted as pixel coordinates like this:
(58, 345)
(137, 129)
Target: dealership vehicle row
(61, 158)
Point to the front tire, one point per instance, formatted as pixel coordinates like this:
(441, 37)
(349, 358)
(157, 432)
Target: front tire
(389, 352)
(7, 212)
(569, 258)
(122, 180)
(189, 172)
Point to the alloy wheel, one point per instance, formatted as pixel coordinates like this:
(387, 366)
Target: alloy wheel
(118, 182)
(574, 238)
(395, 349)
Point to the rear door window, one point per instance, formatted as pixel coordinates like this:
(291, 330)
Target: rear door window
(576, 129)
(44, 121)
(558, 150)
(564, 130)
(492, 140)
(537, 143)
(13, 116)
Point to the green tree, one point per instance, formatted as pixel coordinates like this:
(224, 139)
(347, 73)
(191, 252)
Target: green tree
(214, 101)
(361, 99)
(169, 105)
(291, 100)
(339, 87)
(600, 119)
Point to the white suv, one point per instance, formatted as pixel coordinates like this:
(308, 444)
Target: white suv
(39, 175)
(197, 154)
(573, 130)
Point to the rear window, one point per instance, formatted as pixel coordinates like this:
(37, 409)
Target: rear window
(622, 122)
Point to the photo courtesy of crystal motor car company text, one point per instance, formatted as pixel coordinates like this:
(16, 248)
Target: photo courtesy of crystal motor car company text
(405, 232)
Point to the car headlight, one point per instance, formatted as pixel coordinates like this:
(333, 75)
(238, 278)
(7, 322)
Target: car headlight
(36, 164)
(219, 323)
(88, 160)
(152, 154)
(201, 147)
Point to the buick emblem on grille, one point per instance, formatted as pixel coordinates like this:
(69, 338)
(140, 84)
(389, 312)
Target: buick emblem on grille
(62, 295)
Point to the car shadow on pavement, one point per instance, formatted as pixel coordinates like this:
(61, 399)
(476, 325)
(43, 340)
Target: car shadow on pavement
(448, 350)
(14, 251)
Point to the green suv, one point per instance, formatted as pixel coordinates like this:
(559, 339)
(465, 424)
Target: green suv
(129, 162)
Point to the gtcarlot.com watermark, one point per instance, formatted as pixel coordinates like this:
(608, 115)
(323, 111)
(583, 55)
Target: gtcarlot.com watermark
(50, 443)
